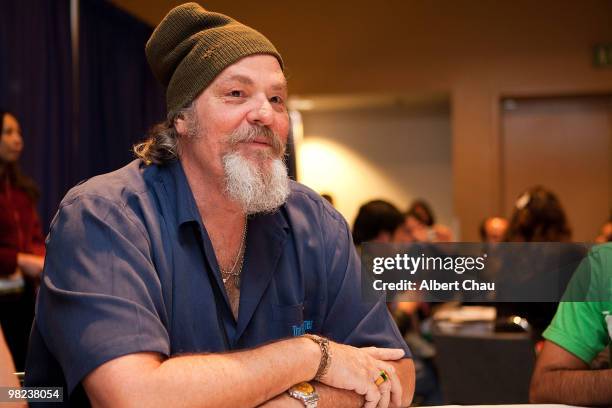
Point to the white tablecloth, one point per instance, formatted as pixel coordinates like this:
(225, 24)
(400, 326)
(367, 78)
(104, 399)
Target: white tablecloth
(511, 405)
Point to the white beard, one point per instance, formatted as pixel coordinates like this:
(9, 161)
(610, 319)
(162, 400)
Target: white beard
(257, 189)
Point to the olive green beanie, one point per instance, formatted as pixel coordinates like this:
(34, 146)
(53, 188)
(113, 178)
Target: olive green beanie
(191, 46)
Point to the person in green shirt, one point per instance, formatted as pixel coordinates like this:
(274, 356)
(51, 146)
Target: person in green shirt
(580, 330)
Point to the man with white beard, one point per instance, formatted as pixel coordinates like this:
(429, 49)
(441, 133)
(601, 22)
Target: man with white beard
(199, 275)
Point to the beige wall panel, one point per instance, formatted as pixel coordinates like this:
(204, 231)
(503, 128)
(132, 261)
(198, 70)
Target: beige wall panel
(391, 154)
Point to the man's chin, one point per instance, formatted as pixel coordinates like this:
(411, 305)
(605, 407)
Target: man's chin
(262, 161)
(259, 183)
(259, 155)
(258, 151)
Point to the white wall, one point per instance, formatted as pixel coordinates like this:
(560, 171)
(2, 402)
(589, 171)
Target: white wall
(392, 153)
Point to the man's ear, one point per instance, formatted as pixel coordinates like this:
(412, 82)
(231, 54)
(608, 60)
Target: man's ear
(180, 124)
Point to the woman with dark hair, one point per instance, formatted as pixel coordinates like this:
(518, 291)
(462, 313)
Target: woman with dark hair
(538, 217)
(422, 211)
(22, 247)
(420, 224)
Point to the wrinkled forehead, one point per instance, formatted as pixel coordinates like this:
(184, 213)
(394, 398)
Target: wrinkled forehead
(255, 70)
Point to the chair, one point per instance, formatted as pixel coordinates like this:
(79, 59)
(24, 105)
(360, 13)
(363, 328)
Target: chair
(491, 368)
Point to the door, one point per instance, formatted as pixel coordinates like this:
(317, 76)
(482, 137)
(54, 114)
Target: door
(565, 145)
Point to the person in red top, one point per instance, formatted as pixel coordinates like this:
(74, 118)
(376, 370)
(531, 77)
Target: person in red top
(22, 247)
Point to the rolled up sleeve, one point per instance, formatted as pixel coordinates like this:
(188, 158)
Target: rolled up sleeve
(100, 296)
(350, 318)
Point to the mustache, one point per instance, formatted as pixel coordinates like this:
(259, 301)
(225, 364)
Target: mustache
(251, 133)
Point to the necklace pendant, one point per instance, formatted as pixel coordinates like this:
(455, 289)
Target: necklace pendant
(225, 279)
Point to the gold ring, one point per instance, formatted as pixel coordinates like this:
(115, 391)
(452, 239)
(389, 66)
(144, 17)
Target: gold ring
(382, 377)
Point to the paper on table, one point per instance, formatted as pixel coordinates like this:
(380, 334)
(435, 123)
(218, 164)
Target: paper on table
(467, 314)
(14, 285)
(510, 405)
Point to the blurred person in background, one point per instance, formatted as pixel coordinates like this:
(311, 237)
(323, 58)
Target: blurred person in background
(378, 221)
(570, 370)
(7, 369)
(605, 234)
(22, 247)
(493, 229)
(538, 216)
(423, 212)
(420, 225)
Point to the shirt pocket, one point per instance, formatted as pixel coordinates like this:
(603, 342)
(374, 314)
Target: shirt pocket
(290, 314)
(287, 320)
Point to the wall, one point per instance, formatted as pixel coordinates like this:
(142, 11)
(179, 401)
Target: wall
(396, 154)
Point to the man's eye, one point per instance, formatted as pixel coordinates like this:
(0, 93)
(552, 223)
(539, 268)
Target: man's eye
(276, 99)
(236, 94)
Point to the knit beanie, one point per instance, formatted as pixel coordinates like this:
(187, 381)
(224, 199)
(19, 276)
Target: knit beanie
(191, 46)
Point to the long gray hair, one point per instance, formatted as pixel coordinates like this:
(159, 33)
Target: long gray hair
(161, 145)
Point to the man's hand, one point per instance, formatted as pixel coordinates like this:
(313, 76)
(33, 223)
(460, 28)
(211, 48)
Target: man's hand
(31, 265)
(356, 369)
(330, 397)
(15, 275)
(264, 373)
(392, 388)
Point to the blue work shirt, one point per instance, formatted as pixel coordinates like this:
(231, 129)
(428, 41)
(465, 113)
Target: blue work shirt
(130, 268)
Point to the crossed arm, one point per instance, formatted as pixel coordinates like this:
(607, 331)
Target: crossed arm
(248, 378)
(336, 397)
(561, 377)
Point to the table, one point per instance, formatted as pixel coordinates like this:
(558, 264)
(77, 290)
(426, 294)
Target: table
(511, 405)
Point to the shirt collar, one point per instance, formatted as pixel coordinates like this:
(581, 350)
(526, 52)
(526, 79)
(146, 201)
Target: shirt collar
(179, 192)
(177, 187)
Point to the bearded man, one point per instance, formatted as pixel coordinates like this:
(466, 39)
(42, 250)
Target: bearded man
(199, 275)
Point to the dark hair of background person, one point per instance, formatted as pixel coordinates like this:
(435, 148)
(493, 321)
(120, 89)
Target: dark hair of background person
(328, 197)
(16, 177)
(422, 211)
(375, 217)
(538, 217)
(482, 229)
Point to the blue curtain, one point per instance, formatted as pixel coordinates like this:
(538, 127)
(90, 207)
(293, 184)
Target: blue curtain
(36, 84)
(69, 138)
(72, 134)
(119, 99)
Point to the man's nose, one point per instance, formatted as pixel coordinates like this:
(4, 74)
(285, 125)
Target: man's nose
(262, 113)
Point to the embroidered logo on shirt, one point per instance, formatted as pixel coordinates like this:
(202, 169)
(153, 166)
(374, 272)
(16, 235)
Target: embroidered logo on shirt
(302, 328)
